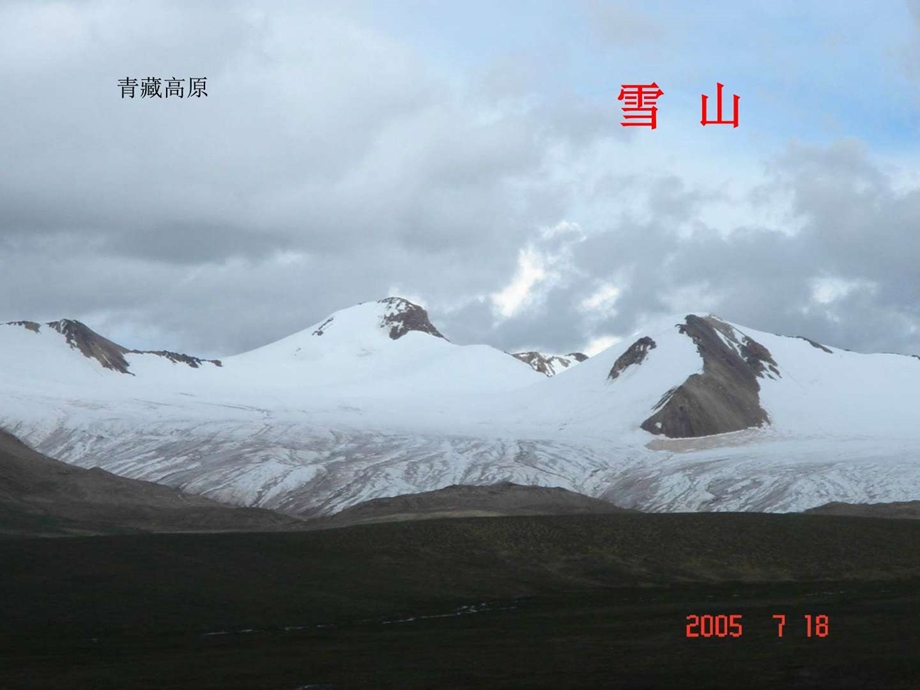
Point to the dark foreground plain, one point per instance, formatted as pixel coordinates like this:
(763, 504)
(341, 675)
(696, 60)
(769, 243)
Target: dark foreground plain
(594, 601)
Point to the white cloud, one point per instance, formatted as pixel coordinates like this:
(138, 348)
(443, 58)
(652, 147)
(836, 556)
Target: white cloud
(531, 271)
(396, 291)
(601, 343)
(563, 227)
(696, 297)
(828, 290)
(601, 299)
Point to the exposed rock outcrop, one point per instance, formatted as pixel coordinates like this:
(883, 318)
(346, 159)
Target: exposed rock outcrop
(179, 358)
(549, 365)
(80, 337)
(725, 397)
(28, 325)
(635, 355)
(814, 344)
(403, 316)
(322, 327)
(109, 354)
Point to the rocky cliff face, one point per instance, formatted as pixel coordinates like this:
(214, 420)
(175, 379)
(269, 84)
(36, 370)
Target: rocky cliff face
(725, 397)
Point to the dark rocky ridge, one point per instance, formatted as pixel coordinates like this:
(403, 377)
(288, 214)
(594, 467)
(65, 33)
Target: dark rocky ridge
(40, 496)
(459, 501)
(725, 397)
(80, 337)
(321, 328)
(179, 358)
(909, 510)
(536, 360)
(636, 354)
(549, 365)
(28, 325)
(403, 316)
(814, 344)
(109, 354)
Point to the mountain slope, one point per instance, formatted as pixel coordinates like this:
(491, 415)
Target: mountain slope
(691, 413)
(54, 346)
(41, 496)
(379, 349)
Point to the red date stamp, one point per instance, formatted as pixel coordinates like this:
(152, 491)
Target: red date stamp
(731, 625)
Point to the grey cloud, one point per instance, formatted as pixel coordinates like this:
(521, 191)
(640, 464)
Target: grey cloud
(855, 227)
(331, 162)
(320, 137)
(914, 7)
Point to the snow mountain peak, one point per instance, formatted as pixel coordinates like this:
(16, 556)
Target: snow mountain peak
(394, 315)
(383, 349)
(80, 337)
(401, 316)
(108, 354)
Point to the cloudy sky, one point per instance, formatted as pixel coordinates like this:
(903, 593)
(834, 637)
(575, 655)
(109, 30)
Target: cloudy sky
(468, 156)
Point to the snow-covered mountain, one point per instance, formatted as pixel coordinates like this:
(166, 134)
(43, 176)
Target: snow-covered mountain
(692, 413)
(550, 365)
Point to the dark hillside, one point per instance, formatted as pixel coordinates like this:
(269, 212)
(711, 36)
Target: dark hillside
(495, 500)
(44, 497)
